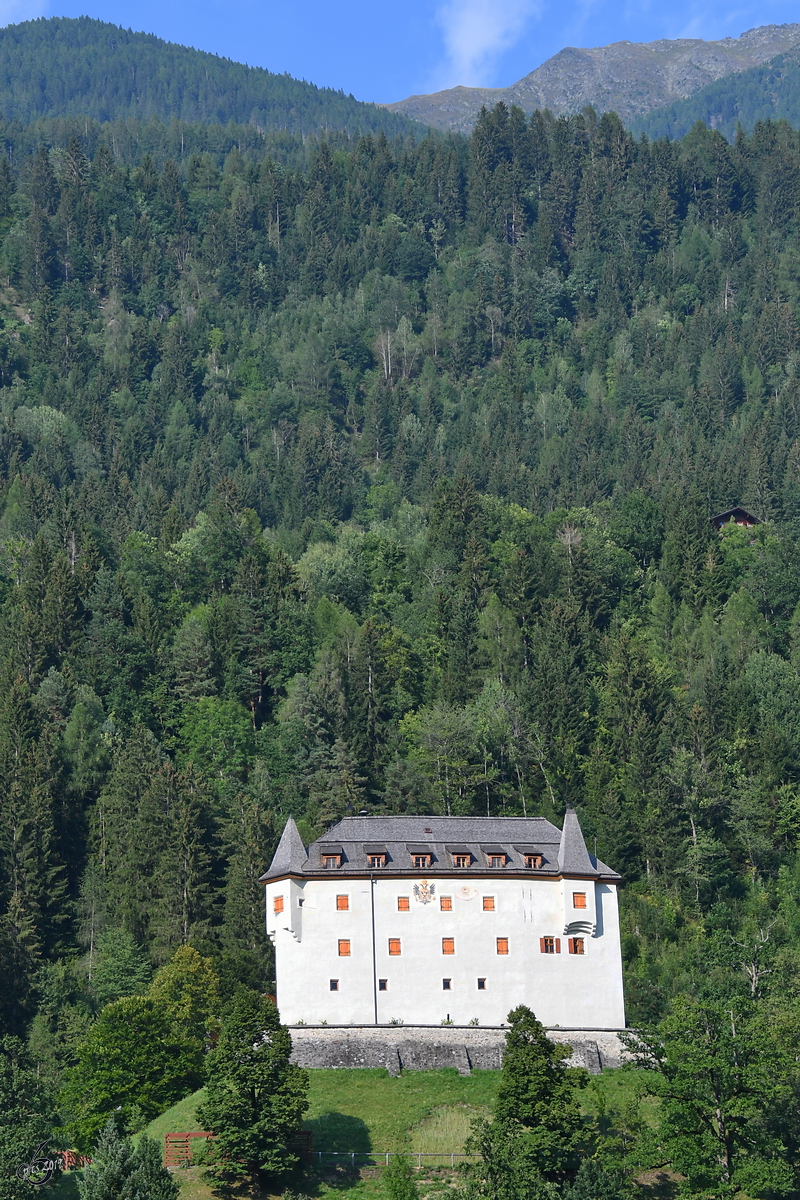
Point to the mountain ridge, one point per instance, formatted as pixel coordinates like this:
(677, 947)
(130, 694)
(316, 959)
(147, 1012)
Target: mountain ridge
(630, 78)
(767, 92)
(79, 66)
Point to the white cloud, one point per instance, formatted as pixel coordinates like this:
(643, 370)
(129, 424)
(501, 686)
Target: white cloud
(476, 33)
(12, 11)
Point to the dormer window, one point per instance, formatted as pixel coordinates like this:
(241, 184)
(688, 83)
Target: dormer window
(462, 860)
(497, 860)
(376, 861)
(331, 861)
(495, 856)
(533, 862)
(421, 861)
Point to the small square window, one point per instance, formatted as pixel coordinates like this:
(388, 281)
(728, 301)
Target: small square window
(448, 945)
(502, 945)
(576, 946)
(488, 903)
(334, 985)
(447, 985)
(403, 904)
(383, 985)
(299, 901)
(481, 985)
(344, 947)
(579, 899)
(550, 945)
(342, 903)
(277, 904)
(446, 903)
(394, 946)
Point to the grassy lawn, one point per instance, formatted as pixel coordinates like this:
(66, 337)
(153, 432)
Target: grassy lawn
(178, 1119)
(369, 1111)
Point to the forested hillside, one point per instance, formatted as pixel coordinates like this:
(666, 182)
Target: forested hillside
(81, 67)
(383, 479)
(770, 92)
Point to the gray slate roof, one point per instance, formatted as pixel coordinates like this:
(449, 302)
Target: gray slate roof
(399, 838)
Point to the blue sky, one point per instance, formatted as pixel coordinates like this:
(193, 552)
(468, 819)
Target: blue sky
(384, 52)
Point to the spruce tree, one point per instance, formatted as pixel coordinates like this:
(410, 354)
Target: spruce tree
(27, 1118)
(255, 1098)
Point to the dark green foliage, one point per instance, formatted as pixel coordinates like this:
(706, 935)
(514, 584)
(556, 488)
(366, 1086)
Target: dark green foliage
(120, 968)
(255, 1098)
(120, 1171)
(27, 1118)
(537, 1090)
(532, 1143)
(596, 1182)
(377, 474)
(65, 67)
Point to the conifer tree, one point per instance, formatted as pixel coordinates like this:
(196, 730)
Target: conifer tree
(27, 1118)
(255, 1098)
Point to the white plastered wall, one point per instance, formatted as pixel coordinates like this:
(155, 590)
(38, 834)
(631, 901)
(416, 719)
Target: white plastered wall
(573, 991)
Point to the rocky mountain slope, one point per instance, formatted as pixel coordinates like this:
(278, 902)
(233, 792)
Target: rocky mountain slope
(767, 92)
(629, 78)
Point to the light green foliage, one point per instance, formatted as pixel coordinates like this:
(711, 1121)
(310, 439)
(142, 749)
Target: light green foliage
(187, 988)
(255, 1098)
(398, 1180)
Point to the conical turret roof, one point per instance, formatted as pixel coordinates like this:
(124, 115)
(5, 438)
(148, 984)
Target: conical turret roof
(290, 857)
(573, 857)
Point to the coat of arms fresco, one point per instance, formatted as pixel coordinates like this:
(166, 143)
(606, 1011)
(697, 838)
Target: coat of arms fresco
(424, 892)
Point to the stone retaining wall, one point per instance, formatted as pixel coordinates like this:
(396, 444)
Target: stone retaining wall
(426, 1048)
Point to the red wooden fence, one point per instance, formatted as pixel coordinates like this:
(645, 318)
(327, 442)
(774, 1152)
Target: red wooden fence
(177, 1147)
(71, 1160)
(178, 1151)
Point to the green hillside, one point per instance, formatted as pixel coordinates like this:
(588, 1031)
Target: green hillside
(766, 93)
(62, 67)
(382, 479)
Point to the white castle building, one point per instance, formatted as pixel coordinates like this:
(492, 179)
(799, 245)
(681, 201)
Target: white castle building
(422, 920)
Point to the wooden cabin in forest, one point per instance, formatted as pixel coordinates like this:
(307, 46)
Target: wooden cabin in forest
(739, 516)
